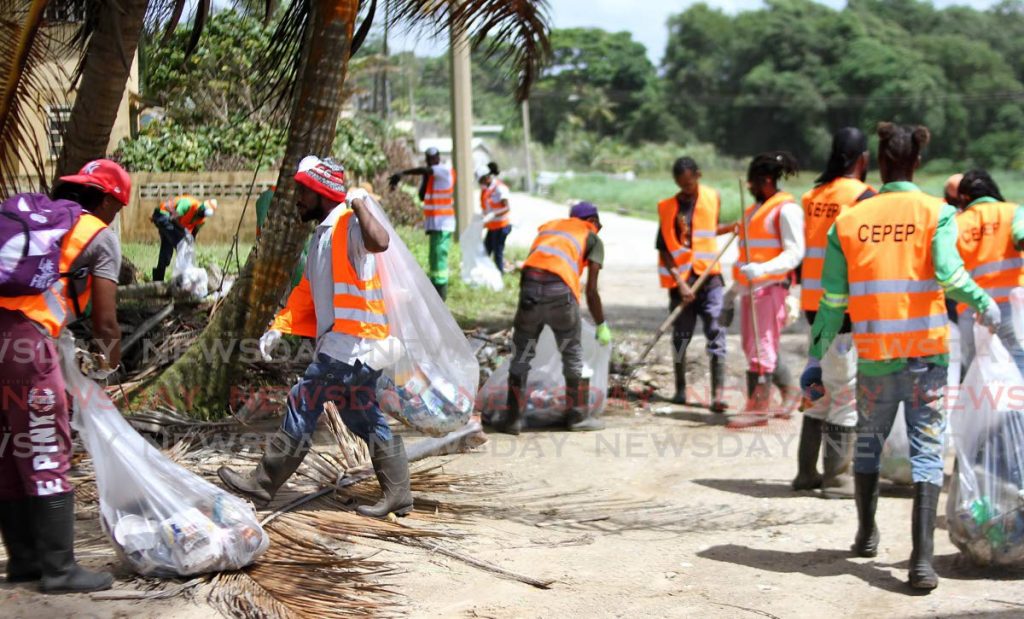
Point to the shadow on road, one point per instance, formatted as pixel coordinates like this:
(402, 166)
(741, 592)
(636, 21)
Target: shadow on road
(757, 488)
(817, 563)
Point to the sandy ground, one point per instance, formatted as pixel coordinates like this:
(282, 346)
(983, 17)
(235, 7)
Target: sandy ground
(666, 513)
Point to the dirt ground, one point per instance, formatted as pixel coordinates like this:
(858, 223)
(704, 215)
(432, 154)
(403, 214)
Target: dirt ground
(666, 513)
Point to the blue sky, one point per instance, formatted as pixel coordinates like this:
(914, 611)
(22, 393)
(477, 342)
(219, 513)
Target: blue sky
(645, 19)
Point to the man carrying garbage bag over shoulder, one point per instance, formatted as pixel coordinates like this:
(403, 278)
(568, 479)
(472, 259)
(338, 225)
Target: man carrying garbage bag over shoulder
(890, 262)
(37, 503)
(549, 294)
(340, 303)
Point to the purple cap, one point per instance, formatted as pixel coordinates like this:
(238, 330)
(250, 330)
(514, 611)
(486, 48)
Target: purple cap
(583, 210)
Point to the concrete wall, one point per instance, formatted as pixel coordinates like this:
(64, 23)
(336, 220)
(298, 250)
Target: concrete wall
(231, 189)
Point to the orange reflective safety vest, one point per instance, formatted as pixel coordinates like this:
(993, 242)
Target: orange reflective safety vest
(193, 217)
(698, 252)
(560, 248)
(986, 246)
(439, 200)
(762, 240)
(358, 303)
(821, 207)
(50, 309)
(897, 308)
(487, 205)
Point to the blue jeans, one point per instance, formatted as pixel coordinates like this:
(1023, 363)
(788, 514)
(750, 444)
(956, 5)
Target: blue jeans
(919, 387)
(351, 388)
(494, 243)
(1005, 332)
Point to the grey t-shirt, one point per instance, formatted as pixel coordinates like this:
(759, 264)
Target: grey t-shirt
(101, 258)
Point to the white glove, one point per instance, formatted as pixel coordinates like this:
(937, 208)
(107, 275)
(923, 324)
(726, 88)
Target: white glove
(356, 193)
(991, 317)
(792, 310)
(752, 270)
(268, 342)
(489, 217)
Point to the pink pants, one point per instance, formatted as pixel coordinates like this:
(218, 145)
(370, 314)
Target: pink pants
(35, 435)
(770, 309)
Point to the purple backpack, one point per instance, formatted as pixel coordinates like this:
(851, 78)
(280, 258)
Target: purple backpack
(32, 229)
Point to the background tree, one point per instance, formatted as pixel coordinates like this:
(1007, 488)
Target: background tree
(319, 34)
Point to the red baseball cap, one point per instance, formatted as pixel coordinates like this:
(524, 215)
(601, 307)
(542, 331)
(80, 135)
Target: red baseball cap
(105, 175)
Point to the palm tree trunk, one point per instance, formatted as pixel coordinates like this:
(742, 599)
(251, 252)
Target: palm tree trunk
(105, 72)
(200, 382)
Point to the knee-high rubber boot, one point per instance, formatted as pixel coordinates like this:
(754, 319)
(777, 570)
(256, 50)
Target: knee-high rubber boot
(510, 421)
(788, 389)
(578, 415)
(926, 502)
(679, 369)
(53, 530)
(837, 481)
(756, 412)
(158, 274)
(284, 454)
(16, 530)
(807, 476)
(866, 495)
(718, 403)
(392, 468)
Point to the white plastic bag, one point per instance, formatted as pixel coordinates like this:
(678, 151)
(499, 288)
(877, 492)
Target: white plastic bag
(545, 384)
(478, 270)
(430, 371)
(896, 452)
(187, 276)
(985, 512)
(164, 520)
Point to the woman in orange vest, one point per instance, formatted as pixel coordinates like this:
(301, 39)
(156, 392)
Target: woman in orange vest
(37, 501)
(991, 242)
(495, 209)
(437, 191)
(549, 295)
(771, 246)
(890, 262)
(339, 302)
(687, 247)
(830, 408)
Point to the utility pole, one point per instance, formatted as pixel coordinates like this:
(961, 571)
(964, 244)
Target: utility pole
(526, 145)
(387, 63)
(462, 126)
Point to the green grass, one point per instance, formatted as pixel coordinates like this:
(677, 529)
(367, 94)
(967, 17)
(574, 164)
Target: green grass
(472, 307)
(640, 197)
(144, 255)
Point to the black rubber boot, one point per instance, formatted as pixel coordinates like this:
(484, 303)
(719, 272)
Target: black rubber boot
(16, 529)
(442, 291)
(866, 495)
(679, 368)
(578, 415)
(788, 389)
(53, 530)
(284, 454)
(837, 481)
(926, 502)
(510, 421)
(718, 403)
(807, 476)
(756, 413)
(392, 468)
(158, 274)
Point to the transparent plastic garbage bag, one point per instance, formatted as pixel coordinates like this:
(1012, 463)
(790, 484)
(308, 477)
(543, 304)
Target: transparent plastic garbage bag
(187, 276)
(478, 269)
(163, 520)
(430, 373)
(545, 384)
(985, 511)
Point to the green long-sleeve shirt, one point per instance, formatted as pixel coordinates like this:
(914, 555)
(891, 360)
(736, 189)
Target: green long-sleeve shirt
(949, 273)
(1018, 218)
